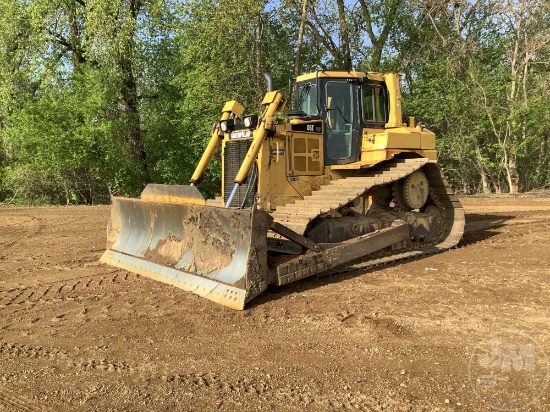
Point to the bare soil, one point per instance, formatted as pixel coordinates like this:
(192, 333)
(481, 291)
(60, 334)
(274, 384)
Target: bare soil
(79, 335)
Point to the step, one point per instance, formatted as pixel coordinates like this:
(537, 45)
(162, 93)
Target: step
(333, 190)
(347, 180)
(329, 203)
(292, 215)
(297, 208)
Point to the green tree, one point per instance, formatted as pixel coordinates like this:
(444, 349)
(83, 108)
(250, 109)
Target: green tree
(56, 52)
(493, 52)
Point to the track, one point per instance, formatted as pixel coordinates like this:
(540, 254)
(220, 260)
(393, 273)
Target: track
(342, 191)
(339, 192)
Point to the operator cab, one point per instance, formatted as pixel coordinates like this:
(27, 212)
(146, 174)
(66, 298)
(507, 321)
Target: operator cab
(347, 102)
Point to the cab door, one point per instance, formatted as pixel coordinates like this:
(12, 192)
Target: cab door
(342, 122)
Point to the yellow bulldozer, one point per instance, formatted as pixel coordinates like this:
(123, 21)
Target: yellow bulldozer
(341, 183)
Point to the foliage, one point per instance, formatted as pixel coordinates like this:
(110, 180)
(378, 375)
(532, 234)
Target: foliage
(101, 97)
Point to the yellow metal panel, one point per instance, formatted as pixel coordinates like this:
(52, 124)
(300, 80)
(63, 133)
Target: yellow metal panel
(234, 106)
(339, 74)
(427, 140)
(369, 130)
(375, 76)
(373, 156)
(392, 83)
(269, 97)
(305, 154)
(275, 187)
(403, 141)
(374, 141)
(398, 138)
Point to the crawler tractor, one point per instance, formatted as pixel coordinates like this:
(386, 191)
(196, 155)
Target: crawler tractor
(344, 183)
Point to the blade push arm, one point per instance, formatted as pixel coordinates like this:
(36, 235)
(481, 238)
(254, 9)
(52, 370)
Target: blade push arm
(231, 107)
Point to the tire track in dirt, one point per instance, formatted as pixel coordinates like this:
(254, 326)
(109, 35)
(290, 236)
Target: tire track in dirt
(14, 350)
(64, 358)
(196, 380)
(19, 403)
(58, 289)
(43, 360)
(96, 297)
(11, 349)
(19, 305)
(101, 365)
(23, 230)
(277, 389)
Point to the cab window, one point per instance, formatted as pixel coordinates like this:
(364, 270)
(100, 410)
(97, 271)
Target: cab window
(375, 104)
(307, 99)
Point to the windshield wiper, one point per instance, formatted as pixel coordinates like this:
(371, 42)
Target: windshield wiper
(303, 94)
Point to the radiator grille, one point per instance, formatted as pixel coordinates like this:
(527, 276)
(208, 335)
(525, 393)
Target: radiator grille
(234, 154)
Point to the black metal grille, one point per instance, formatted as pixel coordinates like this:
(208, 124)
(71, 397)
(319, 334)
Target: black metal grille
(234, 154)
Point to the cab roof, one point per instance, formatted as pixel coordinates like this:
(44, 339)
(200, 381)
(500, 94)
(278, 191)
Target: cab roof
(341, 74)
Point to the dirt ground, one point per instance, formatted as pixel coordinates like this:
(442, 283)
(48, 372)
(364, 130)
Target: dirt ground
(79, 335)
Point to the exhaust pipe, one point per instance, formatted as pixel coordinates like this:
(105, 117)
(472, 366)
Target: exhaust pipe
(269, 81)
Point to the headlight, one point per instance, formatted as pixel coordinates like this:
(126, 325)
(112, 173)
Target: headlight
(227, 125)
(250, 121)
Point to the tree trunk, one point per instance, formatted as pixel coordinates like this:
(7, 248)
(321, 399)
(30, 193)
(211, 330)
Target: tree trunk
(344, 36)
(481, 168)
(300, 39)
(512, 173)
(542, 164)
(133, 124)
(130, 100)
(75, 37)
(376, 57)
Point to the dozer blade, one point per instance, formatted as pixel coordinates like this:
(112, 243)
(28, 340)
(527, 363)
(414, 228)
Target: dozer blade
(220, 254)
(173, 194)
